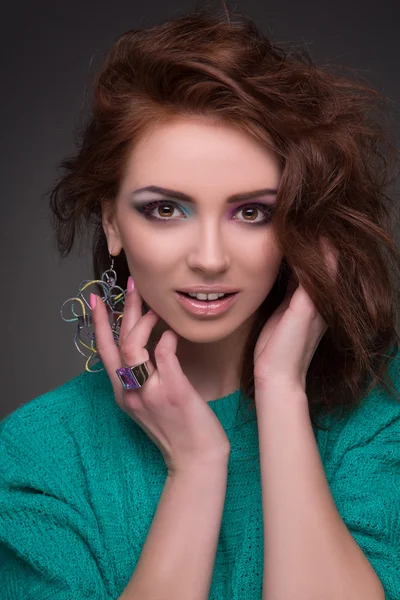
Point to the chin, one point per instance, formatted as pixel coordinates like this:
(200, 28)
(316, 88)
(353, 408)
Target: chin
(206, 333)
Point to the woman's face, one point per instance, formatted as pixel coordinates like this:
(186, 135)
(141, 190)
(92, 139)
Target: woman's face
(203, 241)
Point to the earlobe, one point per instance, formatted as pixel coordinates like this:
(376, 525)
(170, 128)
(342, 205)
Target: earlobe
(110, 228)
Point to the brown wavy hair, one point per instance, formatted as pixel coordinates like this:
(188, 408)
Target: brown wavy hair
(330, 132)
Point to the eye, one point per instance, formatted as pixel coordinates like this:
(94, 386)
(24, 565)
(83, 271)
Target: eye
(164, 205)
(167, 207)
(251, 209)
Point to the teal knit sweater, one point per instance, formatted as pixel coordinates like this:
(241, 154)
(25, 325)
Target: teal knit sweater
(80, 483)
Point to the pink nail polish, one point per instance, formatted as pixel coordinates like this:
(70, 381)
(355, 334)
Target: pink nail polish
(130, 285)
(92, 300)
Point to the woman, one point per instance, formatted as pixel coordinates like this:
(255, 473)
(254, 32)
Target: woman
(215, 162)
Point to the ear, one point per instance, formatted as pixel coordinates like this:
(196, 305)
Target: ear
(110, 227)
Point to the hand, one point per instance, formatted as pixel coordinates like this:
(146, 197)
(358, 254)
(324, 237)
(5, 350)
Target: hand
(170, 411)
(290, 337)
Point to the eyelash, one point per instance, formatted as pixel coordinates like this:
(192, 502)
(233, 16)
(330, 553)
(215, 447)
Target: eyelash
(147, 208)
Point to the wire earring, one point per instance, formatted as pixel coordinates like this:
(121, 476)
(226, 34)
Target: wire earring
(114, 298)
(110, 275)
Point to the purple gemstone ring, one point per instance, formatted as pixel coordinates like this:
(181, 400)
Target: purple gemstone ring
(134, 377)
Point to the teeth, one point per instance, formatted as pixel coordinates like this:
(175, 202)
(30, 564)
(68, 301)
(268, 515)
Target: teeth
(207, 296)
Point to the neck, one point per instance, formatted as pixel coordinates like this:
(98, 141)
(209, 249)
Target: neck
(213, 368)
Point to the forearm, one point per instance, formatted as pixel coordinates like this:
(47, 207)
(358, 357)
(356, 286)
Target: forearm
(309, 553)
(177, 559)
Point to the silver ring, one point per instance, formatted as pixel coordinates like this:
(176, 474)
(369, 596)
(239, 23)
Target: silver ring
(134, 377)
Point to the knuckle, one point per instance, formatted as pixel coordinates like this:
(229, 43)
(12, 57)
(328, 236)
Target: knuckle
(160, 351)
(124, 353)
(132, 403)
(150, 393)
(131, 356)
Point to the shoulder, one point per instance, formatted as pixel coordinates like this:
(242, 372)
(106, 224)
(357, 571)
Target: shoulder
(362, 465)
(54, 510)
(78, 395)
(49, 427)
(371, 429)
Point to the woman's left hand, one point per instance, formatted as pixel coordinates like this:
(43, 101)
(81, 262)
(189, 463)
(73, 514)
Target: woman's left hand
(290, 337)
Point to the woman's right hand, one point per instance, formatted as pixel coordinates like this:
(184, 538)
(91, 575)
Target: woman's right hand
(167, 407)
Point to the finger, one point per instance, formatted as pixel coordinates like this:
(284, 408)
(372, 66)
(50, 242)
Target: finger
(133, 348)
(132, 313)
(168, 365)
(105, 343)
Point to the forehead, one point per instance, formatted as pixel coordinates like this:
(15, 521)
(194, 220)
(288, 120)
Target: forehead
(201, 154)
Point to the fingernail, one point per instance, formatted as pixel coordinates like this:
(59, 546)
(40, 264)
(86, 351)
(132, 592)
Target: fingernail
(130, 285)
(92, 301)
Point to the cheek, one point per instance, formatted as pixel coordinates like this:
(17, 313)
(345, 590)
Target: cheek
(265, 271)
(262, 259)
(272, 254)
(147, 255)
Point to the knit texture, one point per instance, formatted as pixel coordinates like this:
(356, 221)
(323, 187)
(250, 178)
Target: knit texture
(80, 482)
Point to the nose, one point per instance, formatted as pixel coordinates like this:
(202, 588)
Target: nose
(209, 252)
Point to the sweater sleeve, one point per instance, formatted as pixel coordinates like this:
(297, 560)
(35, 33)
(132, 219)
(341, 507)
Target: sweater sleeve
(364, 478)
(50, 547)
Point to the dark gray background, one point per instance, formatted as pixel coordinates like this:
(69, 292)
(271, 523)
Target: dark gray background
(46, 51)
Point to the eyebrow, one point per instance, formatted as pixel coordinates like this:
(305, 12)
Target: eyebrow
(186, 198)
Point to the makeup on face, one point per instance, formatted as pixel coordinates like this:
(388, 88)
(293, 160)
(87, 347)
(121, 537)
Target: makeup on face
(204, 308)
(147, 200)
(168, 199)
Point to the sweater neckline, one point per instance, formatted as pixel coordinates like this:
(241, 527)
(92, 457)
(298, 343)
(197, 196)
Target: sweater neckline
(225, 408)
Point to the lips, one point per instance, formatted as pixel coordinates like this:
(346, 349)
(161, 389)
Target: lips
(208, 289)
(225, 294)
(206, 308)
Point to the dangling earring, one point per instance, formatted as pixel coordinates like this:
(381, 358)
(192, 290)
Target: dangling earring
(110, 275)
(114, 298)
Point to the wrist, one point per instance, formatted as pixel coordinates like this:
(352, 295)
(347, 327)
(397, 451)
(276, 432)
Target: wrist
(278, 389)
(200, 471)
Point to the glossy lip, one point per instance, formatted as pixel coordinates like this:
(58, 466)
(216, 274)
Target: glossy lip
(208, 289)
(206, 309)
